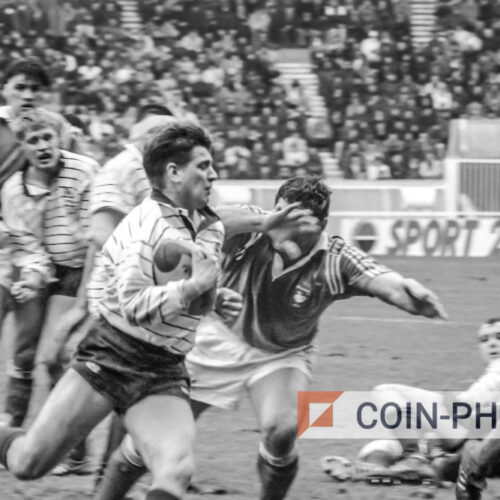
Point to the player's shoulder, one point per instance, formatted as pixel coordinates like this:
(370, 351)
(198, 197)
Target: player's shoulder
(334, 243)
(127, 164)
(338, 245)
(146, 214)
(124, 159)
(12, 187)
(80, 163)
(6, 113)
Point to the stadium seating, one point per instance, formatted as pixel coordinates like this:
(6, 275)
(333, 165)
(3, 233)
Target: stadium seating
(368, 101)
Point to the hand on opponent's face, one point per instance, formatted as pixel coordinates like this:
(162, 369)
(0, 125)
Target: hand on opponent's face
(292, 229)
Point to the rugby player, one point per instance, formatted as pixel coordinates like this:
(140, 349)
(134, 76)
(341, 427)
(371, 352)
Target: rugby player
(24, 84)
(45, 209)
(286, 283)
(119, 186)
(481, 459)
(433, 454)
(132, 359)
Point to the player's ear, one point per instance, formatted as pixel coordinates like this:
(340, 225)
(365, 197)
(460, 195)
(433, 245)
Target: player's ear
(172, 171)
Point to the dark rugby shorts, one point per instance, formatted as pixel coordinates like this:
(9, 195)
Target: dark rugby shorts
(125, 369)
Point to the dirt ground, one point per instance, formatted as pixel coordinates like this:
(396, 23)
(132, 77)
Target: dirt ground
(362, 343)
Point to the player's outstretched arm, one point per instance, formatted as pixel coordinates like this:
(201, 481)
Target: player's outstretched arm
(406, 294)
(239, 219)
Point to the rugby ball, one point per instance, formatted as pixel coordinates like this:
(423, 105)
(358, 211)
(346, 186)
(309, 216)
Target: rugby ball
(167, 257)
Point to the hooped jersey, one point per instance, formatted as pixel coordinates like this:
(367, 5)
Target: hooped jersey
(282, 306)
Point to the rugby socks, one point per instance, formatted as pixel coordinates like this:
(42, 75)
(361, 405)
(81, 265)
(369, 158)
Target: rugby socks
(276, 474)
(18, 399)
(120, 475)
(7, 436)
(160, 495)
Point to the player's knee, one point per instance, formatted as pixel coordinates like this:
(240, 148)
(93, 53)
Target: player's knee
(174, 470)
(27, 466)
(280, 433)
(173, 466)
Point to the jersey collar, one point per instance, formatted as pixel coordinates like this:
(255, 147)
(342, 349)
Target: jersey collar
(204, 216)
(46, 192)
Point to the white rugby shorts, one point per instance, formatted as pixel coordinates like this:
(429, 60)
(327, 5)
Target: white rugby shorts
(223, 366)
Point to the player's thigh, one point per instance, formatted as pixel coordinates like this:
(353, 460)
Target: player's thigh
(274, 399)
(163, 429)
(71, 411)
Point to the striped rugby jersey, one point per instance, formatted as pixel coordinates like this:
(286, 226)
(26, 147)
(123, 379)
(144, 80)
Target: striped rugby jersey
(282, 307)
(50, 227)
(121, 184)
(139, 300)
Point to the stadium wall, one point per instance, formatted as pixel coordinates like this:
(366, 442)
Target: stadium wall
(391, 218)
(348, 195)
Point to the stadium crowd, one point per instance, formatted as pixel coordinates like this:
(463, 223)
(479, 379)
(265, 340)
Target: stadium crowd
(389, 102)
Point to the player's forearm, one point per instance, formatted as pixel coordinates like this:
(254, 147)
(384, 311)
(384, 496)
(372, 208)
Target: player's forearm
(240, 220)
(29, 256)
(406, 294)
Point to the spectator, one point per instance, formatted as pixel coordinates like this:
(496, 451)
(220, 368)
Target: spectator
(295, 150)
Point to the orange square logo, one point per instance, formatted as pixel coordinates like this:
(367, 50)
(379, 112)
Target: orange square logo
(315, 409)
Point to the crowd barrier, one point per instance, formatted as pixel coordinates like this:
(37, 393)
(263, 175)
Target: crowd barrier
(391, 218)
(420, 234)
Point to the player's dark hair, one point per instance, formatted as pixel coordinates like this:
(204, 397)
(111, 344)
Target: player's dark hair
(492, 321)
(152, 109)
(29, 67)
(310, 191)
(172, 144)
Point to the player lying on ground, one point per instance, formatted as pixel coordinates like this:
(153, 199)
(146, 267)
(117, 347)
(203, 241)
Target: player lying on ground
(432, 454)
(286, 284)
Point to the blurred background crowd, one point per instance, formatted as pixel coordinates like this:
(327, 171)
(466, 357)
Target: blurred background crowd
(388, 101)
